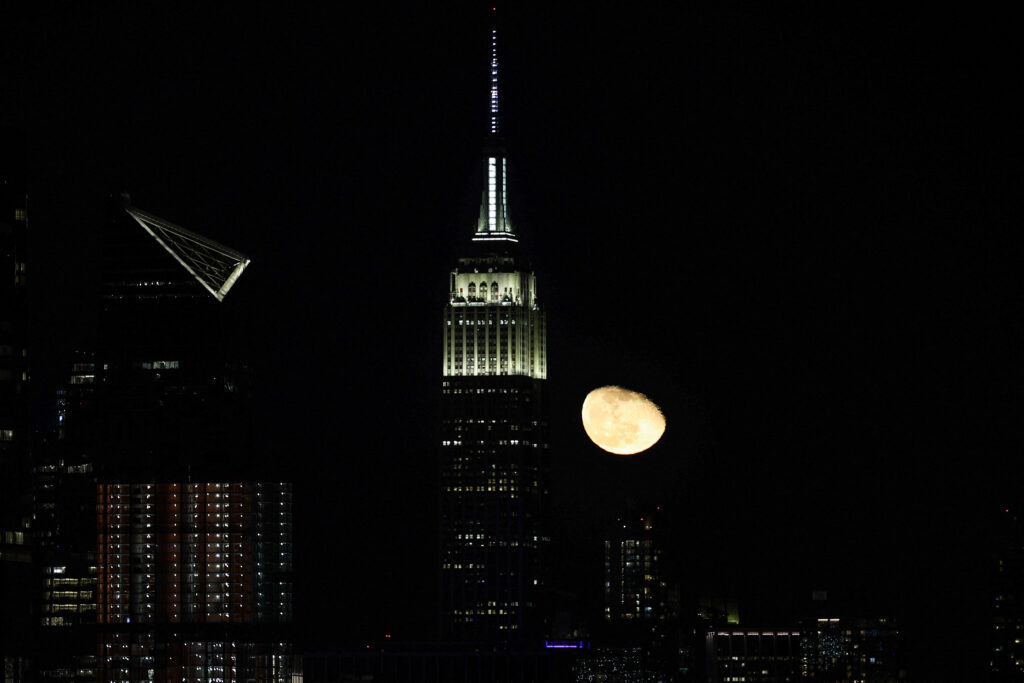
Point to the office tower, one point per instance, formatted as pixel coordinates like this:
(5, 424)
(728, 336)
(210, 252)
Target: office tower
(15, 471)
(172, 397)
(148, 575)
(634, 587)
(494, 432)
(753, 655)
(64, 533)
(194, 581)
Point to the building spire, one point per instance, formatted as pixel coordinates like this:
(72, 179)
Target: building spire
(493, 224)
(495, 127)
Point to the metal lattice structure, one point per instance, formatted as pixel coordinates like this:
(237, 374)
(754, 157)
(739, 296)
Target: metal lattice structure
(215, 266)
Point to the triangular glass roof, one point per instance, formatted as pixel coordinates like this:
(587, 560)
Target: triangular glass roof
(215, 266)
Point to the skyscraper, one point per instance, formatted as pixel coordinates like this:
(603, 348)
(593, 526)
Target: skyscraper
(162, 558)
(1006, 586)
(494, 431)
(633, 584)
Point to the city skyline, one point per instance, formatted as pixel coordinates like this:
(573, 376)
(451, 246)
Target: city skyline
(816, 199)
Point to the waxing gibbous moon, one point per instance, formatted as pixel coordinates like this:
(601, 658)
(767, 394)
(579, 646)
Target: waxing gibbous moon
(621, 421)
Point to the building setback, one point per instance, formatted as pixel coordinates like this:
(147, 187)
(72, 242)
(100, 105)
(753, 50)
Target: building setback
(494, 431)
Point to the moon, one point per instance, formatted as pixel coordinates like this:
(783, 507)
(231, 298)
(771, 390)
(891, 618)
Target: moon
(621, 421)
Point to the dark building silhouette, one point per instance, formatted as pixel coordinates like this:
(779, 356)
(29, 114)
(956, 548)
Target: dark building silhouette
(15, 441)
(173, 397)
(64, 530)
(764, 656)
(410, 663)
(1006, 651)
(494, 431)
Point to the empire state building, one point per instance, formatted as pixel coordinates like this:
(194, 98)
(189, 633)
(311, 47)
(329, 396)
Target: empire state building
(494, 431)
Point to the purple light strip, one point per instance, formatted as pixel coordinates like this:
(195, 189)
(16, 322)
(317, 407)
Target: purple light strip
(564, 644)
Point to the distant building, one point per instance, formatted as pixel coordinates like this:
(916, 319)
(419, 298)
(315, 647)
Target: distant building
(65, 543)
(144, 574)
(1006, 637)
(826, 650)
(194, 582)
(717, 611)
(619, 665)
(172, 396)
(494, 432)
(753, 656)
(851, 649)
(634, 585)
(413, 663)
(15, 443)
(640, 638)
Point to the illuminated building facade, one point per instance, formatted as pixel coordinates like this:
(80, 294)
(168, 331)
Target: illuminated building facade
(622, 664)
(494, 432)
(850, 649)
(64, 529)
(194, 582)
(633, 585)
(753, 656)
(827, 649)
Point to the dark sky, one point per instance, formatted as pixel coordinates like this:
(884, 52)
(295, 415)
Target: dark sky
(789, 226)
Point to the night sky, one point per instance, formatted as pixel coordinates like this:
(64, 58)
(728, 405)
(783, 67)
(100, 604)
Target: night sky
(790, 227)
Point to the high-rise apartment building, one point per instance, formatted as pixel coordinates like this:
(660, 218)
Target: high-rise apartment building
(194, 582)
(634, 586)
(172, 397)
(764, 656)
(494, 432)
